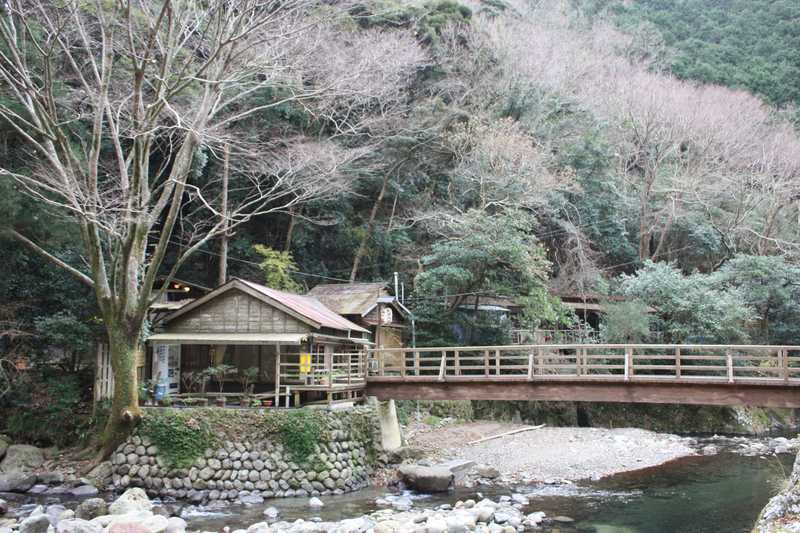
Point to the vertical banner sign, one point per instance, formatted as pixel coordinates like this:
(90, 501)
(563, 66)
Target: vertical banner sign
(305, 363)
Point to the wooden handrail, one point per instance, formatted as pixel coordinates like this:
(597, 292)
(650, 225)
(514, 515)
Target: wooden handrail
(614, 362)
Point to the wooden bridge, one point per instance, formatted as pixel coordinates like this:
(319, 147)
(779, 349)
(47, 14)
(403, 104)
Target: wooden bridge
(644, 373)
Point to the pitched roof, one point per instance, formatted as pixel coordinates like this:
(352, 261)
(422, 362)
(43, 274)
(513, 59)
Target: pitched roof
(349, 298)
(305, 308)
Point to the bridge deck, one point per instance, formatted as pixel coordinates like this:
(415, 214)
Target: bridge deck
(665, 373)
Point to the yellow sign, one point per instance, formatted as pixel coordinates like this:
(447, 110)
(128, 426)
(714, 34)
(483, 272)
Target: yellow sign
(305, 363)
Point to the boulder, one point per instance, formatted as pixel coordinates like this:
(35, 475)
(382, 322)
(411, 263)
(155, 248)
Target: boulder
(405, 453)
(259, 527)
(488, 472)
(91, 508)
(54, 513)
(427, 478)
(176, 525)
(101, 472)
(35, 524)
(132, 501)
(315, 502)
(77, 525)
(16, 481)
(3, 507)
(84, 490)
(51, 478)
(21, 457)
(127, 527)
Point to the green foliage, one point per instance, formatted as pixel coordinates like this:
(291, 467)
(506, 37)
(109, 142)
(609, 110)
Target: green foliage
(181, 437)
(437, 14)
(300, 431)
(64, 330)
(749, 44)
(486, 254)
(689, 308)
(277, 268)
(625, 322)
(218, 373)
(770, 285)
(48, 409)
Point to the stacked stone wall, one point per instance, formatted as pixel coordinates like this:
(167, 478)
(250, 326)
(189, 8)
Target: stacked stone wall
(235, 470)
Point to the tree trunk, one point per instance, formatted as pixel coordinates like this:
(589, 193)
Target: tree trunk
(287, 244)
(362, 247)
(125, 412)
(223, 243)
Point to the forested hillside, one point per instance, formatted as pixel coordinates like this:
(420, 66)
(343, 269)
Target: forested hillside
(477, 148)
(746, 44)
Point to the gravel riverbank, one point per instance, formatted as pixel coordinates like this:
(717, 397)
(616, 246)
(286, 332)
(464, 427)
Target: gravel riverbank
(550, 454)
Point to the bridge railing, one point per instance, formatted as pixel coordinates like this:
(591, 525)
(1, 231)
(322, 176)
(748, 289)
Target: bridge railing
(600, 362)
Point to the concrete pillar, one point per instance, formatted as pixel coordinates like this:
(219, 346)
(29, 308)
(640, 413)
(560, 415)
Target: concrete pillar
(391, 438)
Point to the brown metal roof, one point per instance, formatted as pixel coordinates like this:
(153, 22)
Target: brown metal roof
(307, 306)
(304, 308)
(349, 298)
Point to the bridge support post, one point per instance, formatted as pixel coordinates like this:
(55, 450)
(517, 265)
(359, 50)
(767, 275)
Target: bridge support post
(391, 439)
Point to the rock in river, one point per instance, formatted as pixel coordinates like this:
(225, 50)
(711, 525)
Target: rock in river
(132, 501)
(16, 481)
(22, 457)
(426, 478)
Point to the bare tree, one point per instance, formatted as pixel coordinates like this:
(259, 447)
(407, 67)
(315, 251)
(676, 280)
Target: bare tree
(121, 102)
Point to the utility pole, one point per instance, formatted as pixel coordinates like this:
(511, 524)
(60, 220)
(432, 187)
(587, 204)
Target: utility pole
(222, 276)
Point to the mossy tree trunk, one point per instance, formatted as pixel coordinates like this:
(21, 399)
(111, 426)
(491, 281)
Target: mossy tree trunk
(124, 348)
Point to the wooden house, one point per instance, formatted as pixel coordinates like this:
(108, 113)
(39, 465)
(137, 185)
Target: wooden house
(300, 350)
(369, 305)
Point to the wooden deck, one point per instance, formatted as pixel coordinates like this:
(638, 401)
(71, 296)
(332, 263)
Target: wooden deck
(649, 373)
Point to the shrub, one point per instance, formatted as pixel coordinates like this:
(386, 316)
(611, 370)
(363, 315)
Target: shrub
(181, 437)
(300, 431)
(49, 411)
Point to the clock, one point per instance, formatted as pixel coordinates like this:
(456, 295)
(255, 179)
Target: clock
(386, 315)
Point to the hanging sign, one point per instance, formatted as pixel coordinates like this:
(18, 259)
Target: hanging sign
(305, 363)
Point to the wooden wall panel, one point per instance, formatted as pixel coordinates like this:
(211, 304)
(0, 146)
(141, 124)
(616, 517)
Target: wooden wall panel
(236, 312)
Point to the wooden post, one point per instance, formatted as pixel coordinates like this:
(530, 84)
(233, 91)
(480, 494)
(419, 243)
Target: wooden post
(456, 363)
(678, 362)
(783, 354)
(402, 363)
(443, 366)
(486, 363)
(729, 359)
(277, 375)
(530, 365)
(540, 355)
(628, 363)
(416, 363)
(497, 362)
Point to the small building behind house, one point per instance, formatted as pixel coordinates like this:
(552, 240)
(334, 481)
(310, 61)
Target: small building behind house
(371, 306)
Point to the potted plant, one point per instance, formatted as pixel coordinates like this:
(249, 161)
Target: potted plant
(247, 377)
(218, 374)
(266, 402)
(147, 392)
(166, 401)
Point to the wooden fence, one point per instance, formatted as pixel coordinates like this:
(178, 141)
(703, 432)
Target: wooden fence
(327, 370)
(592, 362)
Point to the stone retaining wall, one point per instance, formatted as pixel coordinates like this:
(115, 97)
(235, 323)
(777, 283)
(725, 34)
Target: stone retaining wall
(253, 470)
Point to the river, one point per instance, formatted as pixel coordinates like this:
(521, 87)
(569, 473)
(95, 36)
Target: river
(720, 493)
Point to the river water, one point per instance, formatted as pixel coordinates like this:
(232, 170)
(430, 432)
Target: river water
(722, 494)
